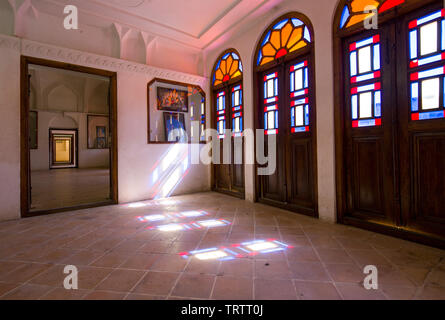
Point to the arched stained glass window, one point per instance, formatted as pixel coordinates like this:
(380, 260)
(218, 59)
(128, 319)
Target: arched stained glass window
(288, 35)
(356, 11)
(228, 67)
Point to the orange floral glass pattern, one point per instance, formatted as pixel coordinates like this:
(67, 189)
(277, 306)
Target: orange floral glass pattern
(287, 36)
(354, 11)
(228, 67)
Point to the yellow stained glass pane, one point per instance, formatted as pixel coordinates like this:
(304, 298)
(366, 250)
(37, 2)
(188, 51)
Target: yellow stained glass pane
(295, 37)
(229, 63)
(217, 82)
(234, 67)
(219, 75)
(268, 50)
(285, 33)
(360, 5)
(237, 74)
(275, 39)
(358, 18)
(299, 45)
(266, 60)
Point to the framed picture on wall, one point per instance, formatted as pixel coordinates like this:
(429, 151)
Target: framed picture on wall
(172, 99)
(97, 135)
(33, 129)
(174, 127)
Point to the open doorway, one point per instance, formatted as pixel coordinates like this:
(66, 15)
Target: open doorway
(69, 154)
(63, 149)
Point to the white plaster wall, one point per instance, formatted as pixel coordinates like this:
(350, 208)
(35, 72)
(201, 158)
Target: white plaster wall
(9, 129)
(137, 160)
(246, 42)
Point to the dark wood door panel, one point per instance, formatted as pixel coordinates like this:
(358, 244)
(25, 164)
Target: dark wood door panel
(301, 189)
(367, 176)
(428, 182)
(273, 186)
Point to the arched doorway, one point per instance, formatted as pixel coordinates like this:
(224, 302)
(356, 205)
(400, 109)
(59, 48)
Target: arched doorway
(227, 114)
(284, 92)
(389, 117)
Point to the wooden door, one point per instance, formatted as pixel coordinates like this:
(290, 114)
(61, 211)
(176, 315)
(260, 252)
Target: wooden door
(287, 111)
(300, 135)
(229, 177)
(421, 47)
(369, 126)
(271, 115)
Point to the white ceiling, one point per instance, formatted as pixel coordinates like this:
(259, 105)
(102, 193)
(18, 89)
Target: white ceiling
(195, 23)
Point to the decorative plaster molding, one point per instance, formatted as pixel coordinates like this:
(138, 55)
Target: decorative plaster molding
(7, 42)
(50, 52)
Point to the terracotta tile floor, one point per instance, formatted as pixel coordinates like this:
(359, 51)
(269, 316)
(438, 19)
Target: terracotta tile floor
(119, 257)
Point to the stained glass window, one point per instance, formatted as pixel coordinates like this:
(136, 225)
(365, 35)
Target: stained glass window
(354, 11)
(237, 111)
(221, 113)
(286, 36)
(299, 90)
(427, 60)
(228, 67)
(203, 117)
(365, 77)
(270, 84)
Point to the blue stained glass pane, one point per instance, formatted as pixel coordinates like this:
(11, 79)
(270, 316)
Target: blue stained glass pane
(306, 114)
(307, 35)
(431, 73)
(428, 60)
(377, 104)
(306, 78)
(431, 115)
(443, 34)
(280, 24)
(265, 121)
(376, 57)
(233, 99)
(276, 120)
(260, 56)
(364, 42)
(344, 16)
(292, 82)
(266, 38)
(235, 56)
(354, 104)
(297, 22)
(241, 124)
(276, 86)
(429, 18)
(265, 89)
(225, 56)
(292, 117)
(240, 66)
(353, 63)
(415, 96)
(413, 44)
(366, 123)
(240, 96)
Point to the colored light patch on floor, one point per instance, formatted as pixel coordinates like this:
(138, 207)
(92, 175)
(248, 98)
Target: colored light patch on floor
(213, 223)
(137, 205)
(172, 227)
(240, 250)
(192, 225)
(153, 218)
(261, 245)
(211, 255)
(190, 214)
